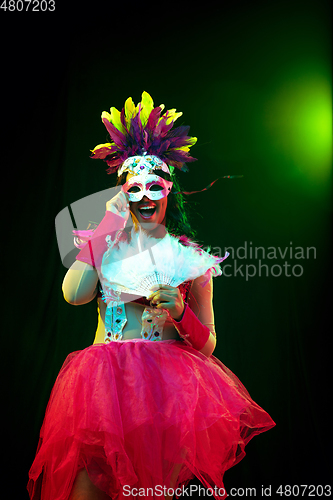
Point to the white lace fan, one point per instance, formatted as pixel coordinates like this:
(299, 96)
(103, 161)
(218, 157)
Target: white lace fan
(139, 266)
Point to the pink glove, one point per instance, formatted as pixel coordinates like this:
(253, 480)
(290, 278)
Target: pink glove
(191, 329)
(92, 253)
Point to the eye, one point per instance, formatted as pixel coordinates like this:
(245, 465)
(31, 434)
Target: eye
(133, 189)
(155, 187)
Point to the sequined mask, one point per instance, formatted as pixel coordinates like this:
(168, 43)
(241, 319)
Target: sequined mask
(144, 181)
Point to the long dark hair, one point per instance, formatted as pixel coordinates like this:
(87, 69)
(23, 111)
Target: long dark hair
(178, 210)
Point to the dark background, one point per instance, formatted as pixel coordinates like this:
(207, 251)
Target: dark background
(253, 80)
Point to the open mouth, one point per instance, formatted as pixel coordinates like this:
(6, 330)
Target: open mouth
(147, 211)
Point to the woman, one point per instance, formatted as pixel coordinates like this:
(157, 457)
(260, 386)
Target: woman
(147, 407)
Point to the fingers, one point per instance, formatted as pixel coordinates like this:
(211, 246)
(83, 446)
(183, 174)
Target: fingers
(167, 299)
(124, 196)
(160, 295)
(163, 288)
(158, 298)
(122, 201)
(120, 197)
(174, 308)
(165, 305)
(119, 203)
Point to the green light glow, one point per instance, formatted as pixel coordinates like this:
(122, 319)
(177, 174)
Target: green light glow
(300, 114)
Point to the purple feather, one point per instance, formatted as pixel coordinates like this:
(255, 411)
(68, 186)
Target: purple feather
(162, 128)
(178, 131)
(101, 153)
(117, 137)
(178, 155)
(179, 142)
(113, 162)
(153, 119)
(146, 142)
(123, 120)
(163, 147)
(136, 130)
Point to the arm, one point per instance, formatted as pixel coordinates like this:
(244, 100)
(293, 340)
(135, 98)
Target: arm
(81, 280)
(80, 284)
(198, 317)
(116, 216)
(193, 321)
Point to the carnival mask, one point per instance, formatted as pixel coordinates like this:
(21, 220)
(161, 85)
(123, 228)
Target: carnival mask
(150, 185)
(144, 182)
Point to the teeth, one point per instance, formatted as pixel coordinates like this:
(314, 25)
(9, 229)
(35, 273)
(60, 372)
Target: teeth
(146, 208)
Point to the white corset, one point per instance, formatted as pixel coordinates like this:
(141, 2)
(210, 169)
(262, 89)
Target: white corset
(137, 267)
(115, 318)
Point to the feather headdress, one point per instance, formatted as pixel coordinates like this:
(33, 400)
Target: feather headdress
(138, 129)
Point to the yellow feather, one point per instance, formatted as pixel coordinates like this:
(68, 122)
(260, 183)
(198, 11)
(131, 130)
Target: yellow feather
(115, 120)
(129, 110)
(177, 115)
(191, 141)
(106, 115)
(147, 106)
(106, 145)
(170, 116)
(173, 116)
(147, 100)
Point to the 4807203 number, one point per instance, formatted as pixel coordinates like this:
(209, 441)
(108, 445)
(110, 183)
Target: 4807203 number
(28, 5)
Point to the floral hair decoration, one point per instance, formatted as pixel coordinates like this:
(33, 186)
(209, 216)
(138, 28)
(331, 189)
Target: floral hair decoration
(136, 130)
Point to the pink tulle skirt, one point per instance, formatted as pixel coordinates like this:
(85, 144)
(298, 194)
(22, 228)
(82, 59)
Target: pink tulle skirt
(141, 414)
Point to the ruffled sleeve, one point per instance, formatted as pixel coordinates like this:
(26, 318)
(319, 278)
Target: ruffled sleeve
(93, 242)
